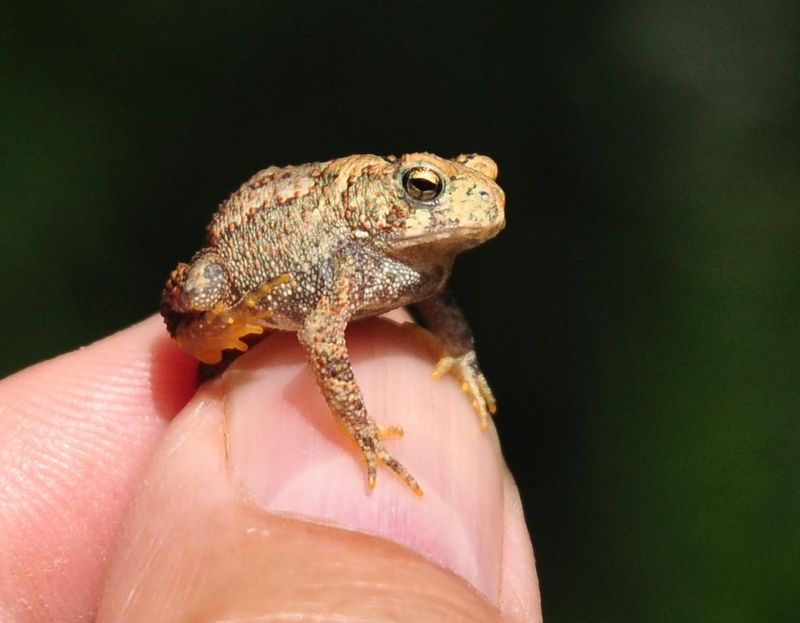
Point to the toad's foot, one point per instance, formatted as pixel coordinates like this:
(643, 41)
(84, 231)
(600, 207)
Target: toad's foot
(450, 340)
(208, 335)
(385, 432)
(373, 450)
(465, 369)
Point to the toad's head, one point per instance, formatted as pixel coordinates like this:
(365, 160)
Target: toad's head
(422, 206)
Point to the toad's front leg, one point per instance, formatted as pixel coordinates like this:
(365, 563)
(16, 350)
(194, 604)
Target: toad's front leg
(457, 354)
(323, 336)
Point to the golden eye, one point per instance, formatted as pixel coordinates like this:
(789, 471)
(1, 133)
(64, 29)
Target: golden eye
(422, 184)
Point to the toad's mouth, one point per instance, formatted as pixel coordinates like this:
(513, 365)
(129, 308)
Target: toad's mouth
(450, 241)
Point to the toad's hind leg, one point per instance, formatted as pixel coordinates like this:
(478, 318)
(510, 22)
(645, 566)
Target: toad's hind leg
(323, 338)
(205, 312)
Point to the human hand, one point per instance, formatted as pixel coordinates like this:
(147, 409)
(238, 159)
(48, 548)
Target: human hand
(121, 501)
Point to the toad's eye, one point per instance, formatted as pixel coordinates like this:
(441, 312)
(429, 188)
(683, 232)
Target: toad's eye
(422, 184)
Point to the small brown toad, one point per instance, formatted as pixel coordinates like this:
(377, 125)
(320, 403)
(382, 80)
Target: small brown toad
(309, 248)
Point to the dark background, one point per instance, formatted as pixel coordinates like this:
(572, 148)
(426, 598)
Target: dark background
(638, 318)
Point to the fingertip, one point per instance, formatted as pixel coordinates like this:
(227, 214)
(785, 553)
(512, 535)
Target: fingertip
(310, 468)
(206, 540)
(75, 435)
(519, 598)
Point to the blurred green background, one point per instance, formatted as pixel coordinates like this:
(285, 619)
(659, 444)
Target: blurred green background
(638, 318)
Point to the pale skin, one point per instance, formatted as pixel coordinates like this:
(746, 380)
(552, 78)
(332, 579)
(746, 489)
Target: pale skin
(103, 438)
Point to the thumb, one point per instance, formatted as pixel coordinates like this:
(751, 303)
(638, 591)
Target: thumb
(255, 506)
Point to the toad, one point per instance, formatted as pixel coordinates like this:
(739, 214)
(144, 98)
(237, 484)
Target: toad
(310, 248)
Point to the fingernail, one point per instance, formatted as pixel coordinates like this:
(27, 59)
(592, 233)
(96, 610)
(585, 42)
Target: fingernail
(288, 455)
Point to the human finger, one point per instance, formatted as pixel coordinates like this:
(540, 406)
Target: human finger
(256, 505)
(75, 435)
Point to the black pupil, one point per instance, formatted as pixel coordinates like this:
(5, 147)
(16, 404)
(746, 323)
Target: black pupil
(425, 186)
(422, 186)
